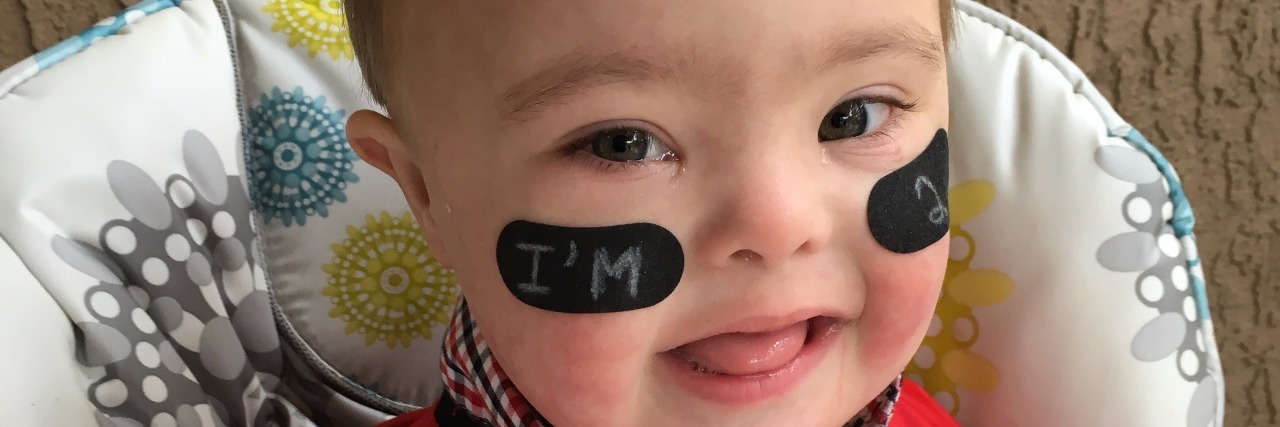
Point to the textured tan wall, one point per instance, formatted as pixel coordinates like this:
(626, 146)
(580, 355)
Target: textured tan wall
(1201, 78)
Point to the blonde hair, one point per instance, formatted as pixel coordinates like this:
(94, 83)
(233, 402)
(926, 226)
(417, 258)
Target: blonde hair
(365, 21)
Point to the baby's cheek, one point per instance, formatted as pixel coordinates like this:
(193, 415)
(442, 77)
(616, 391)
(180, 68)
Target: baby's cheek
(902, 292)
(572, 365)
(567, 365)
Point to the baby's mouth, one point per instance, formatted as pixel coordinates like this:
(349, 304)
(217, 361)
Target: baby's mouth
(755, 353)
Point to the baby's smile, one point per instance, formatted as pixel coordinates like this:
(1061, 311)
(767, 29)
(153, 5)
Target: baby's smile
(756, 358)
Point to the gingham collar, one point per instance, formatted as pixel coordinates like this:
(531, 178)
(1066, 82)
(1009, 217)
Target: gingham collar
(475, 383)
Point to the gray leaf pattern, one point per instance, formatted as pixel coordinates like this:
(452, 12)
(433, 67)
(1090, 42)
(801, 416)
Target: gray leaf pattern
(176, 348)
(1154, 251)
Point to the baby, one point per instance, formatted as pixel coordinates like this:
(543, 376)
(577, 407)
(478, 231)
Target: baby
(670, 212)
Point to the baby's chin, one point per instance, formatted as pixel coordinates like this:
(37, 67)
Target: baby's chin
(831, 392)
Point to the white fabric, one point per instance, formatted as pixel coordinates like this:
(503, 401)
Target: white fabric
(1062, 340)
(43, 384)
(127, 98)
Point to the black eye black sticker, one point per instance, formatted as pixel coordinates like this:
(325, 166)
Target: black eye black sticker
(907, 210)
(589, 270)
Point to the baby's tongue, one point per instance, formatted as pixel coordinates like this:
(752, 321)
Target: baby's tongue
(746, 353)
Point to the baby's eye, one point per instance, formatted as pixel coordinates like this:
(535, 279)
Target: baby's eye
(627, 145)
(853, 118)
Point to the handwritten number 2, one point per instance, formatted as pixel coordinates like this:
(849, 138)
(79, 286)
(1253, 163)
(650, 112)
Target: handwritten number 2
(938, 214)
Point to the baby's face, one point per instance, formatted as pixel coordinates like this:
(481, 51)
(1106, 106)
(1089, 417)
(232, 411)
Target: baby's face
(752, 130)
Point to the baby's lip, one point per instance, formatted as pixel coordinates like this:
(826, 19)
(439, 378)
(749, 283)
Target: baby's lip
(738, 369)
(755, 353)
(763, 323)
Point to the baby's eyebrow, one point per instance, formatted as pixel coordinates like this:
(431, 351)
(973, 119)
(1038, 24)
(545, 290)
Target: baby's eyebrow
(577, 72)
(911, 40)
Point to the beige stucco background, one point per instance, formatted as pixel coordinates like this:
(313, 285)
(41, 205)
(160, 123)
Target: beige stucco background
(1201, 78)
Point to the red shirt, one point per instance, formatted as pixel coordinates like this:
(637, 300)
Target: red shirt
(914, 409)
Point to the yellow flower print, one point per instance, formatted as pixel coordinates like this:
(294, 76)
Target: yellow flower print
(945, 360)
(384, 283)
(319, 24)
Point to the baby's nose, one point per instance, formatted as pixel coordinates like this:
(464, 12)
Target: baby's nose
(766, 212)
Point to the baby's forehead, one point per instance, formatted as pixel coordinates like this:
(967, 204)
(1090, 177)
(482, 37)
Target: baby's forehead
(394, 34)
(531, 48)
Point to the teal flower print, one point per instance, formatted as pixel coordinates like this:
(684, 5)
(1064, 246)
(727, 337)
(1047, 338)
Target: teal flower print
(299, 158)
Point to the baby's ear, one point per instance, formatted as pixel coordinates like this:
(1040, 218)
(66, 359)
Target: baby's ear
(374, 138)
